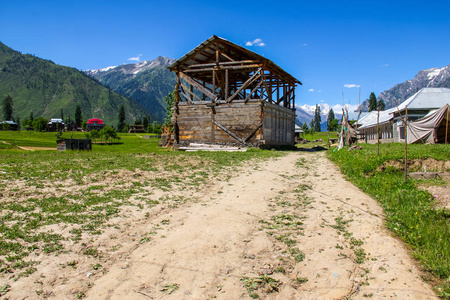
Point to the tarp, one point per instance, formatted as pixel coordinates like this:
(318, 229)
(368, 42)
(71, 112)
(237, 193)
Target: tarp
(431, 128)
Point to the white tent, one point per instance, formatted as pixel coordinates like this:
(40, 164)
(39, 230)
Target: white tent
(432, 128)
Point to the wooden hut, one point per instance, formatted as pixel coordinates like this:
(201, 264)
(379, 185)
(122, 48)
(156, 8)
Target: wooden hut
(227, 94)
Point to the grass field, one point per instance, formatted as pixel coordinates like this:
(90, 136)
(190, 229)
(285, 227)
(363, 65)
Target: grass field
(126, 143)
(41, 189)
(410, 212)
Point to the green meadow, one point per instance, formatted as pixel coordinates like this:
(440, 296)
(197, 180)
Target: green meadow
(81, 199)
(411, 213)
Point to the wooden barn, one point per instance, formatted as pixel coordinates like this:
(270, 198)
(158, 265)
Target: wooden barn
(226, 94)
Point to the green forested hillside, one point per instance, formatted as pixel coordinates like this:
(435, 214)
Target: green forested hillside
(44, 88)
(147, 83)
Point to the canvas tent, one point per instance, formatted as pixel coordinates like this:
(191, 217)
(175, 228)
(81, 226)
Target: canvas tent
(432, 128)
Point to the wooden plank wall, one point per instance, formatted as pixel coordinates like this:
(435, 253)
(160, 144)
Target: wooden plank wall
(279, 125)
(195, 122)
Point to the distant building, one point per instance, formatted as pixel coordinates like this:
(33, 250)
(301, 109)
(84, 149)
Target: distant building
(75, 144)
(390, 125)
(136, 129)
(9, 125)
(96, 124)
(298, 132)
(55, 125)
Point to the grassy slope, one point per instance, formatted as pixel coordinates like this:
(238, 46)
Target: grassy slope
(410, 212)
(45, 88)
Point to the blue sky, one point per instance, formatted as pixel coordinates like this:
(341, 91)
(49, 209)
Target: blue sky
(325, 44)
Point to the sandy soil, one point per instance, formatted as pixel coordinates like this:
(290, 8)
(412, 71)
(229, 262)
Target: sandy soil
(249, 227)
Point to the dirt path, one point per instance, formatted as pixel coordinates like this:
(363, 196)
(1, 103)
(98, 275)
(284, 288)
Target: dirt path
(288, 228)
(207, 248)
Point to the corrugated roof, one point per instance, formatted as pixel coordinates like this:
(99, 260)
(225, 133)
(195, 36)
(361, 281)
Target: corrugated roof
(427, 98)
(370, 119)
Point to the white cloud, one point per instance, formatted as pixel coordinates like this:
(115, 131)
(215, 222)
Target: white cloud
(256, 42)
(386, 65)
(311, 90)
(305, 45)
(322, 101)
(319, 91)
(137, 58)
(351, 85)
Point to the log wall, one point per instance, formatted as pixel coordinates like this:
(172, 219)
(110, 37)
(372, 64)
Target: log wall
(255, 122)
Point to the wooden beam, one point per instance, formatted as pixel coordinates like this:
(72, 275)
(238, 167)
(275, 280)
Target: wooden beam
(226, 85)
(248, 82)
(229, 132)
(252, 66)
(225, 63)
(190, 92)
(214, 81)
(185, 96)
(227, 57)
(253, 133)
(285, 96)
(254, 90)
(198, 86)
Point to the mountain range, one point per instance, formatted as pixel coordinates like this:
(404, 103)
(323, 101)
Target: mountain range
(435, 77)
(147, 83)
(45, 88)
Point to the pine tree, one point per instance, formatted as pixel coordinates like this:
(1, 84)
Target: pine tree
(7, 105)
(121, 124)
(305, 127)
(31, 117)
(18, 122)
(78, 116)
(317, 119)
(372, 102)
(330, 118)
(145, 123)
(62, 115)
(380, 105)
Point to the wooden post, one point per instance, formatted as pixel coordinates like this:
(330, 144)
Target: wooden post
(446, 124)
(176, 111)
(378, 132)
(226, 84)
(406, 144)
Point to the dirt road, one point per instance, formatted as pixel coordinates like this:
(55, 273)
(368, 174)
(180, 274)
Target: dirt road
(287, 228)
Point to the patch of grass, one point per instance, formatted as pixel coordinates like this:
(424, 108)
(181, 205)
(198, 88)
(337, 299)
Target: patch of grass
(169, 288)
(264, 282)
(410, 212)
(301, 280)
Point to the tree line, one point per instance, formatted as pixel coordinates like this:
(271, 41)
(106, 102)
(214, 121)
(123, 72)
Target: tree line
(40, 123)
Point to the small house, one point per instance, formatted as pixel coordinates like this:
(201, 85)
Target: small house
(55, 125)
(9, 125)
(227, 94)
(96, 124)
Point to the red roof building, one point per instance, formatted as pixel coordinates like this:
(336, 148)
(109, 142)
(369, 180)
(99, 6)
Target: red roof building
(96, 124)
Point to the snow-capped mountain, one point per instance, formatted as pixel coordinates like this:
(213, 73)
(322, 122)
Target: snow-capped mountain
(146, 82)
(133, 69)
(435, 77)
